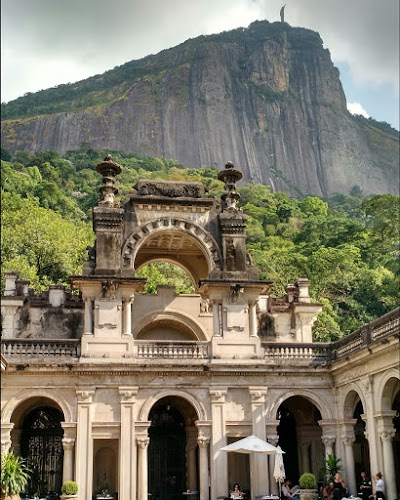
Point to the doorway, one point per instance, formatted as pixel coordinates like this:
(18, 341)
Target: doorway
(41, 445)
(167, 452)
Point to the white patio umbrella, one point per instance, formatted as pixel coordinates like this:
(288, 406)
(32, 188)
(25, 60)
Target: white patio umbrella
(251, 445)
(279, 468)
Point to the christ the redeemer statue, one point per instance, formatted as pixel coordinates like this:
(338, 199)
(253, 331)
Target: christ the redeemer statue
(282, 12)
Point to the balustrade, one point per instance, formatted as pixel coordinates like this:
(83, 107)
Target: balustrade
(166, 350)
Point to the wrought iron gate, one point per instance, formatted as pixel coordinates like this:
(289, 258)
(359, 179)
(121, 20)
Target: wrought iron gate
(167, 462)
(41, 444)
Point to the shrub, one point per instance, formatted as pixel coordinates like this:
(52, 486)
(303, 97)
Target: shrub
(307, 481)
(14, 474)
(69, 488)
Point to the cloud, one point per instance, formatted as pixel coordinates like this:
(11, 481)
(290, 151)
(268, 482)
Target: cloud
(356, 108)
(91, 36)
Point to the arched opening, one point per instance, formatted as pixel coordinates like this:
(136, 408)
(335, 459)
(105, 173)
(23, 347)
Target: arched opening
(391, 401)
(167, 274)
(396, 439)
(176, 241)
(360, 446)
(166, 329)
(300, 437)
(105, 463)
(172, 457)
(41, 445)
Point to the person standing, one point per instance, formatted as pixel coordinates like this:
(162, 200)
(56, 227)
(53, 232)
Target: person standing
(339, 487)
(379, 486)
(365, 486)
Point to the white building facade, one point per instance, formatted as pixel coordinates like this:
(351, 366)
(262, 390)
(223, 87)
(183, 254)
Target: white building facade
(137, 393)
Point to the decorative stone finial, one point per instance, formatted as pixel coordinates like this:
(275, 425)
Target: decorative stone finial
(230, 175)
(109, 170)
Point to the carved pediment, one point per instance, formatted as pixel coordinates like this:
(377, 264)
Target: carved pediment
(170, 189)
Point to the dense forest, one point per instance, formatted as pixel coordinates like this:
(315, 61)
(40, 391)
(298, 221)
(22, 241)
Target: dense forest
(348, 246)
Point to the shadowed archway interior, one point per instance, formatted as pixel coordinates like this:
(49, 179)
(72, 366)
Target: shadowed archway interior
(41, 444)
(167, 464)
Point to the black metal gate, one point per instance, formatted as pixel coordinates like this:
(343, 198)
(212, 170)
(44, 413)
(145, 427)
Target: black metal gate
(41, 444)
(167, 462)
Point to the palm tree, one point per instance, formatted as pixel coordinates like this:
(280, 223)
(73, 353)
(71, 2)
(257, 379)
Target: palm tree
(331, 466)
(14, 475)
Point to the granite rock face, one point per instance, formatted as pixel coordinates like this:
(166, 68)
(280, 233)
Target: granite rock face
(267, 97)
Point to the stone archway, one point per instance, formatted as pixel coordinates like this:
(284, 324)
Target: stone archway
(176, 325)
(41, 444)
(174, 240)
(172, 454)
(389, 431)
(300, 436)
(36, 426)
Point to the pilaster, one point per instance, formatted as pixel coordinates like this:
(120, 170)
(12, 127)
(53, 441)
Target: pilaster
(257, 399)
(127, 459)
(84, 443)
(219, 459)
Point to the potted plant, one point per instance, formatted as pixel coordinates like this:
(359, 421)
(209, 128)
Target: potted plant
(308, 487)
(14, 476)
(69, 490)
(331, 466)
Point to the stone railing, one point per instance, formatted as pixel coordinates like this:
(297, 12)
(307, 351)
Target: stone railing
(27, 349)
(385, 326)
(315, 354)
(172, 350)
(298, 354)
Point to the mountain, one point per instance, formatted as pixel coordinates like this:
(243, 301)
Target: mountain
(267, 98)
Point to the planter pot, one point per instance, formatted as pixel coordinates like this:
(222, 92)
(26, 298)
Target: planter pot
(12, 497)
(68, 497)
(309, 494)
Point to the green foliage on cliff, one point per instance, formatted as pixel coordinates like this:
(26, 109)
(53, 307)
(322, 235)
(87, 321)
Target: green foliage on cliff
(348, 246)
(100, 90)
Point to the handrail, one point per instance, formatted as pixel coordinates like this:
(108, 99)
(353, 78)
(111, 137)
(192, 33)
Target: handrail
(275, 353)
(167, 350)
(317, 353)
(41, 347)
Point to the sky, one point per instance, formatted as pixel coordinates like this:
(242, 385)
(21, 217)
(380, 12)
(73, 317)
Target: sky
(49, 42)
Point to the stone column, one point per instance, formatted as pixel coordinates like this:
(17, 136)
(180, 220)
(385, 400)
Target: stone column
(203, 443)
(16, 441)
(216, 318)
(127, 457)
(253, 318)
(304, 456)
(143, 444)
(219, 459)
(88, 320)
(349, 454)
(68, 460)
(84, 444)
(127, 316)
(386, 434)
(371, 433)
(328, 442)
(191, 449)
(6, 436)
(257, 397)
